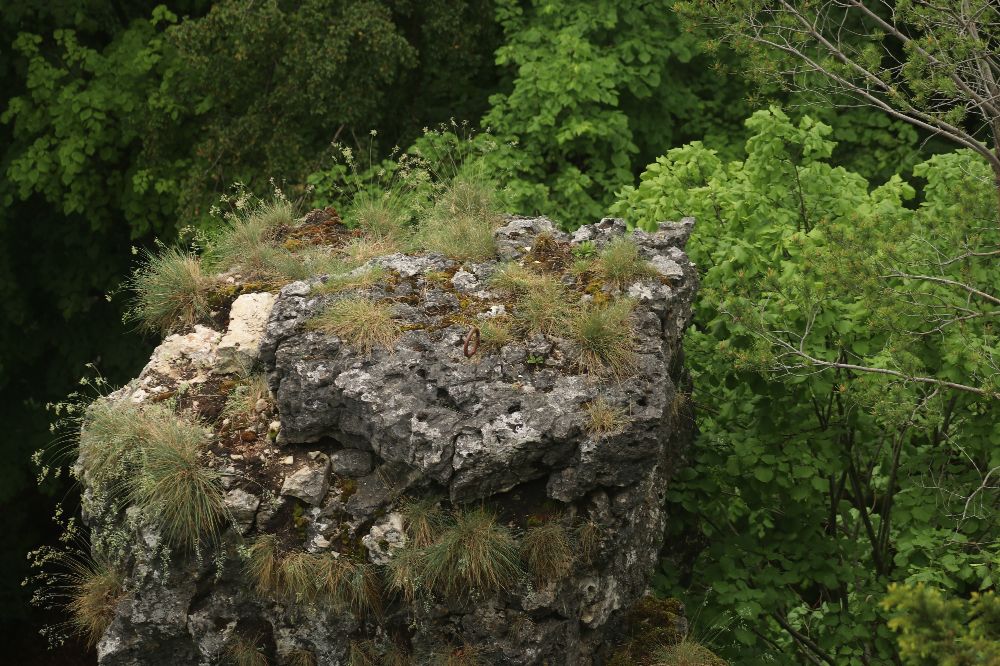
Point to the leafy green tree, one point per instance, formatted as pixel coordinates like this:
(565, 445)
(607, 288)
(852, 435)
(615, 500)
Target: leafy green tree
(595, 89)
(845, 365)
(933, 65)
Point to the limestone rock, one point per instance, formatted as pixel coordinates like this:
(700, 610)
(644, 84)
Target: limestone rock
(240, 346)
(310, 482)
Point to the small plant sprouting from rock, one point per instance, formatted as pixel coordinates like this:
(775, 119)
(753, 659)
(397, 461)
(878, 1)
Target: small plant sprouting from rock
(247, 240)
(174, 487)
(152, 457)
(358, 279)
(547, 550)
(245, 651)
(466, 655)
(606, 338)
(94, 588)
(243, 400)
(170, 288)
(422, 518)
(302, 658)
(313, 578)
(620, 262)
(463, 218)
(604, 418)
(361, 322)
(588, 540)
(470, 553)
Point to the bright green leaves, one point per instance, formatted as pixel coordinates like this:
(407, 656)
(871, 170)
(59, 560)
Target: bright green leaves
(816, 483)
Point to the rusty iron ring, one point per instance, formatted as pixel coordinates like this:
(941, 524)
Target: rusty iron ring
(470, 348)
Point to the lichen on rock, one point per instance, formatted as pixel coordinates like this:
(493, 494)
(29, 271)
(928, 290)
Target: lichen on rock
(438, 446)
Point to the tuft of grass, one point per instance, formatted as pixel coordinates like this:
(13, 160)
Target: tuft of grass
(422, 519)
(544, 309)
(605, 418)
(472, 553)
(495, 333)
(302, 658)
(688, 653)
(361, 322)
(466, 655)
(153, 457)
(247, 240)
(361, 250)
(620, 262)
(462, 221)
(382, 215)
(307, 262)
(243, 651)
(513, 278)
(173, 485)
(169, 288)
(547, 551)
(308, 578)
(94, 587)
(241, 403)
(588, 540)
(358, 279)
(111, 438)
(606, 337)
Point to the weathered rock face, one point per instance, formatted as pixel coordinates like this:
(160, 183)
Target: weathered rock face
(351, 435)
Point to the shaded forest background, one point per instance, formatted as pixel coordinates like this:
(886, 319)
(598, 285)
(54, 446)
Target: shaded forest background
(124, 122)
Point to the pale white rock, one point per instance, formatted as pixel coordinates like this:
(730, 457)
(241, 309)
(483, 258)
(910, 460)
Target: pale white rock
(240, 346)
(385, 536)
(310, 482)
(242, 506)
(187, 357)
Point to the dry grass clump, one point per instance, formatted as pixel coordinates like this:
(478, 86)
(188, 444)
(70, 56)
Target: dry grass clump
(247, 240)
(605, 418)
(467, 655)
(361, 322)
(588, 540)
(547, 551)
(422, 519)
(244, 651)
(606, 337)
(302, 658)
(94, 588)
(170, 288)
(463, 218)
(470, 552)
(362, 249)
(174, 487)
(313, 578)
(620, 262)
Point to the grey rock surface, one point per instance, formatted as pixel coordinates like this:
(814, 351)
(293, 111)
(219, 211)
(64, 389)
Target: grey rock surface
(505, 427)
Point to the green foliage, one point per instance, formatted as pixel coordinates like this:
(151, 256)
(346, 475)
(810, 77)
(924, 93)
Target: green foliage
(594, 85)
(170, 289)
(843, 395)
(936, 629)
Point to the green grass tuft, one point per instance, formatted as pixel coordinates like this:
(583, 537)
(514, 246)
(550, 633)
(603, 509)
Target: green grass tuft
(381, 215)
(241, 403)
(169, 289)
(472, 553)
(547, 551)
(462, 221)
(173, 486)
(422, 518)
(620, 263)
(247, 240)
(111, 438)
(496, 332)
(688, 653)
(360, 279)
(360, 322)
(606, 337)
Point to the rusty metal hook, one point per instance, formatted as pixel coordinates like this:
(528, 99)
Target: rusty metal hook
(471, 345)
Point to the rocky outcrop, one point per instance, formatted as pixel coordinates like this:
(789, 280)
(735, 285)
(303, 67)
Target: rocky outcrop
(348, 439)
